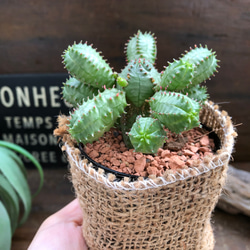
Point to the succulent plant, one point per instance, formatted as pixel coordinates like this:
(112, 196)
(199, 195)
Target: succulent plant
(141, 99)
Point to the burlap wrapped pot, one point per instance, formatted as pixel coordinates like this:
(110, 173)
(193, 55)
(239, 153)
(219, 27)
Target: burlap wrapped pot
(168, 212)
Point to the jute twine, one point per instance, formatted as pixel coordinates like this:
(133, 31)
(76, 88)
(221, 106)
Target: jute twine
(168, 212)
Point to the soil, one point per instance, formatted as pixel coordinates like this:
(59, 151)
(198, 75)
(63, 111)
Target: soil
(179, 152)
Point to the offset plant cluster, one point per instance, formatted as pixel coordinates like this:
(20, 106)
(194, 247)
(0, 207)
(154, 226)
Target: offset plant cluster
(140, 100)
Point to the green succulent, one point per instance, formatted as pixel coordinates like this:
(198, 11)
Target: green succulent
(102, 97)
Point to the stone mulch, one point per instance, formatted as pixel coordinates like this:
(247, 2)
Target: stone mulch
(179, 152)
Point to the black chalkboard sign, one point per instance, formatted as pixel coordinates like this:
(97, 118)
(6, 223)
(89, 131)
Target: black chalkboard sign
(29, 105)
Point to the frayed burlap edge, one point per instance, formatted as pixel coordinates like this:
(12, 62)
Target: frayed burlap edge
(190, 195)
(169, 177)
(221, 125)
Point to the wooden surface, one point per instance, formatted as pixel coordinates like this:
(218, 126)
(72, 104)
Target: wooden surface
(235, 198)
(231, 231)
(35, 33)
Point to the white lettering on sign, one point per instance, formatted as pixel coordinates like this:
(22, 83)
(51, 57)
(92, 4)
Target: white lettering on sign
(30, 122)
(28, 96)
(41, 96)
(42, 156)
(28, 117)
(7, 97)
(23, 97)
(54, 97)
(31, 139)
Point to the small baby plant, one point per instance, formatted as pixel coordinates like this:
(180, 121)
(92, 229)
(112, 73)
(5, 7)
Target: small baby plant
(142, 100)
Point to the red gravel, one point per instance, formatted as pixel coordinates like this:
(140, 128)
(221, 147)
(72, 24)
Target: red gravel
(177, 153)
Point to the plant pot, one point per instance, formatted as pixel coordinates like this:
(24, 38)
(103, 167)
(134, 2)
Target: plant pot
(168, 212)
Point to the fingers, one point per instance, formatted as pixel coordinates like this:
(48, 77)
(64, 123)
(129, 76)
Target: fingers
(61, 230)
(71, 212)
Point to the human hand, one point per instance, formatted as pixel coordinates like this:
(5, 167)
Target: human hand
(61, 230)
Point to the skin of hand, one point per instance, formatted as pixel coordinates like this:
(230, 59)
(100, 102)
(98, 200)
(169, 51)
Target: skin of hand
(61, 230)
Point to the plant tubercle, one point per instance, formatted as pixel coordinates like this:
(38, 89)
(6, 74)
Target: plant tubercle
(141, 99)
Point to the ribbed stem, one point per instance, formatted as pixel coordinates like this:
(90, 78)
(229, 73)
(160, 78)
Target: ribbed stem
(129, 117)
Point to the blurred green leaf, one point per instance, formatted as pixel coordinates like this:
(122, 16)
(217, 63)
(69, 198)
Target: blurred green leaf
(5, 228)
(16, 158)
(16, 178)
(29, 156)
(10, 201)
(14, 190)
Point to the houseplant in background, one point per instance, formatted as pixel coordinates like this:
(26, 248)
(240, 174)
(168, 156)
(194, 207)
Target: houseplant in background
(15, 196)
(167, 201)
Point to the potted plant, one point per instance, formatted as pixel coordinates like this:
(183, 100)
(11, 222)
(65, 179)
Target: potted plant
(166, 207)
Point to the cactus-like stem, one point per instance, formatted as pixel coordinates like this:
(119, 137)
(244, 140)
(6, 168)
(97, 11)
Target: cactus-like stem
(177, 76)
(129, 117)
(141, 76)
(96, 116)
(197, 93)
(142, 46)
(175, 111)
(76, 92)
(139, 90)
(204, 61)
(147, 135)
(87, 65)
